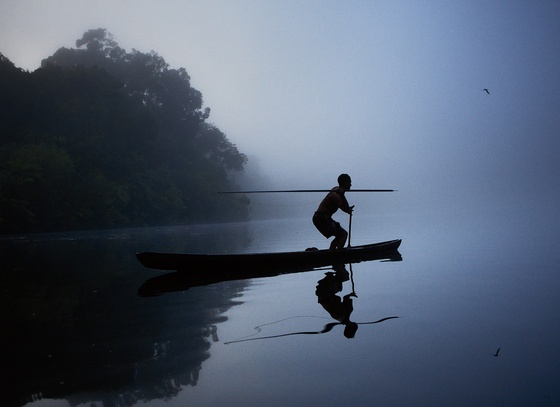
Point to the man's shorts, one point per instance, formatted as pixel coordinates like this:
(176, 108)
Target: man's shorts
(326, 225)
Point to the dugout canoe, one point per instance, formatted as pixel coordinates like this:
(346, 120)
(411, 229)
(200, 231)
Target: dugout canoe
(308, 259)
(199, 270)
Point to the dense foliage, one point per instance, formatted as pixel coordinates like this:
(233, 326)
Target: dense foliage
(98, 137)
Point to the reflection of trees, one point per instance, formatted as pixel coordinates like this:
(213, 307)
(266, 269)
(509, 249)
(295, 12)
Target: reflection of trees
(172, 366)
(78, 330)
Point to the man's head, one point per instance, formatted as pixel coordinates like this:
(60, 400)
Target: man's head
(350, 329)
(344, 181)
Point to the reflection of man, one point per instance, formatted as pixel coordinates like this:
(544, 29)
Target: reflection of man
(339, 309)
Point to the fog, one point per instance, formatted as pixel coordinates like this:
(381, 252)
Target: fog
(391, 92)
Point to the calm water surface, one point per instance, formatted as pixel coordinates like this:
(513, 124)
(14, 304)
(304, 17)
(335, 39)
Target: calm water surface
(76, 332)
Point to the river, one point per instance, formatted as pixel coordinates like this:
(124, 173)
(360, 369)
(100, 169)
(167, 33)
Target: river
(470, 316)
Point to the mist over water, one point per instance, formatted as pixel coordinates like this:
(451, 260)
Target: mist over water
(391, 93)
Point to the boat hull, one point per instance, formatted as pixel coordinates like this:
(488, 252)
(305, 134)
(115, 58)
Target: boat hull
(303, 259)
(200, 270)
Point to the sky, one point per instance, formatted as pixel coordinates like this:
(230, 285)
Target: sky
(391, 92)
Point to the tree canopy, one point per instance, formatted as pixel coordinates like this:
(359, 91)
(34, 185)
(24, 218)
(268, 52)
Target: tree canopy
(99, 137)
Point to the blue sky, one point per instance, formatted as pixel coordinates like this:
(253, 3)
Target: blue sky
(388, 91)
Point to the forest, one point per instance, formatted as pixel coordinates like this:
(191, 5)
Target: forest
(98, 137)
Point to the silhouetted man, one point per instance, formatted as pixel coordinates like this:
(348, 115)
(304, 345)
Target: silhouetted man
(335, 200)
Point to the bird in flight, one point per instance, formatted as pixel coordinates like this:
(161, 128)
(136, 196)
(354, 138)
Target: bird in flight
(498, 351)
(486, 90)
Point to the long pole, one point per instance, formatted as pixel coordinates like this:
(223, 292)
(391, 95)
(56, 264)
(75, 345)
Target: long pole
(349, 228)
(303, 190)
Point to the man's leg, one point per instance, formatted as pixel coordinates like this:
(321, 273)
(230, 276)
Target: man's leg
(339, 241)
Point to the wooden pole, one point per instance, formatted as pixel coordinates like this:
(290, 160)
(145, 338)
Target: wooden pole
(349, 228)
(304, 190)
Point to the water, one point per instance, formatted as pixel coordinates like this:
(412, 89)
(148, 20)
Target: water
(75, 332)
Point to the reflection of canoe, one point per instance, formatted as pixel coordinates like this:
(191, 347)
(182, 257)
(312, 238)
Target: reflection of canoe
(210, 269)
(280, 260)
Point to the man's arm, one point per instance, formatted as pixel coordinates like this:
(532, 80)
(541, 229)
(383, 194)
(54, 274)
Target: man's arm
(344, 205)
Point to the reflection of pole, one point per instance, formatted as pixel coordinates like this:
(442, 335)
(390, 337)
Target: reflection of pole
(326, 329)
(352, 281)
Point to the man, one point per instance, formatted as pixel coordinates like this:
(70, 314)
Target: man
(322, 219)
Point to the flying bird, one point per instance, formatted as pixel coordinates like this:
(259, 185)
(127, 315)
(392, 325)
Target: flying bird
(486, 90)
(498, 351)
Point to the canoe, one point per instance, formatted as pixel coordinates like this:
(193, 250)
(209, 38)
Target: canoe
(309, 258)
(194, 270)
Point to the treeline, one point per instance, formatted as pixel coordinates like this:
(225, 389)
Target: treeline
(98, 137)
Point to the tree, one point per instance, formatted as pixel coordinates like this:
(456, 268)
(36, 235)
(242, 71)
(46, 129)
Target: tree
(35, 182)
(100, 137)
